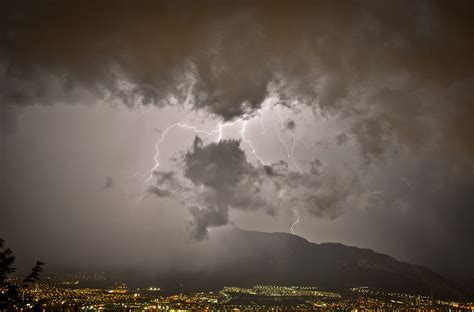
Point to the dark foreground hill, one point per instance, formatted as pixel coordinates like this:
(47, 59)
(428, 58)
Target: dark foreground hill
(246, 258)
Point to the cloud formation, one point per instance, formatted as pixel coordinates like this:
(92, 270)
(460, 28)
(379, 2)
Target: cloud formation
(223, 179)
(220, 178)
(352, 59)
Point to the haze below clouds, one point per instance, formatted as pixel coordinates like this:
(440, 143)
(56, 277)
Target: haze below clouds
(378, 96)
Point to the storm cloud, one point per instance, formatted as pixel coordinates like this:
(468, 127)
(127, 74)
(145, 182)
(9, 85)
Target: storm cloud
(387, 87)
(221, 57)
(223, 179)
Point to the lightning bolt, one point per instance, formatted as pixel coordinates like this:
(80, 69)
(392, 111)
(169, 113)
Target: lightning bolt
(291, 154)
(219, 130)
(242, 134)
(297, 220)
(262, 125)
(289, 150)
(295, 212)
(220, 127)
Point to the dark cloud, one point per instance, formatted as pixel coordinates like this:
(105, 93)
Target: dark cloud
(167, 184)
(219, 166)
(203, 218)
(223, 179)
(290, 125)
(223, 57)
(145, 54)
(159, 192)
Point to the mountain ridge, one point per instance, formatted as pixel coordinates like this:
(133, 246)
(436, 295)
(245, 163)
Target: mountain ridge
(283, 258)
(247, 258)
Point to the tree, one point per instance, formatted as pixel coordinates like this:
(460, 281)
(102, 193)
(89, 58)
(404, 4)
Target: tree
(10, 296)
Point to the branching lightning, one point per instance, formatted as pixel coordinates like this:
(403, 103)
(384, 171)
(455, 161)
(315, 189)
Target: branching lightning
(242, 134)
(219, 131)
(184, 126)
(220, 127)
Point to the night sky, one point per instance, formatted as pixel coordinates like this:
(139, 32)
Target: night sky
(354, 118)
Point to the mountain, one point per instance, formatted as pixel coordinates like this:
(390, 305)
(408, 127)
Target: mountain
(246, 258)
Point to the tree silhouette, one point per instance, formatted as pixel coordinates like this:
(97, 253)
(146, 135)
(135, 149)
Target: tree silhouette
(10, 296)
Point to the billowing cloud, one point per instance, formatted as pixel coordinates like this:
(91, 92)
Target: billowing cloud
(338, 57)
(223, 179)
(321, 191)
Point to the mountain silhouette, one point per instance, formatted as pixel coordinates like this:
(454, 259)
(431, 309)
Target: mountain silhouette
(247, 258)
